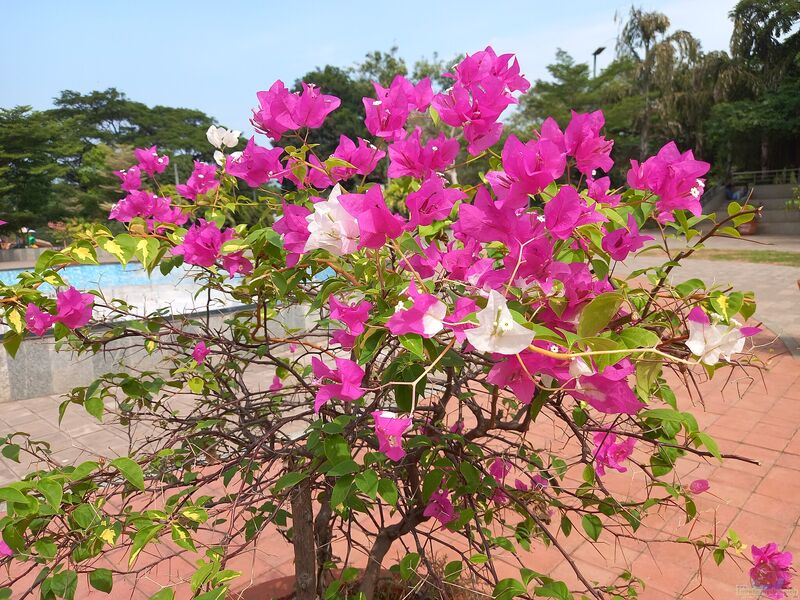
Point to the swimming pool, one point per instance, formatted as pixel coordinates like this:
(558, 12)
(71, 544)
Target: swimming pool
(110, 275)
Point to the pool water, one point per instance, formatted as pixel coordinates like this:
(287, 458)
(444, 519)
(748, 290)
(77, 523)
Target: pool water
(106, 276)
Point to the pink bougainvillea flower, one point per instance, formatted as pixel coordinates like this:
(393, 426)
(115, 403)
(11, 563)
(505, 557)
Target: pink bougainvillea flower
(698, 486)
(476, 109)
(376, 223)
(200, 352)
(276, 384)
(409, 158)
(566, 211)
(5, 550)
(771, 571)
(475, 68)
(487, 221)
(497, 331)
(390, 429)
(131, 179)
(74, 309)
(202, 243)
(149, 160)
(711, 342)
(331, 227)
(433, 201)
(527, 169)
(607, 394)
(621, 242)
(202, 180)
(610, 454)
(456, 321)
(674, 178)
(440, 507)
(293, 227)
(344, 339)
(499, 469)
(273, 116)
(386, 114)
(354, 316)
(153, 209)
(424, 317)
(345, 381)
(37, 320)
(281, 110)
(256, 165)
(364, 158)
(582, 140)
(598, 191)
(311, 107)
(237, 263)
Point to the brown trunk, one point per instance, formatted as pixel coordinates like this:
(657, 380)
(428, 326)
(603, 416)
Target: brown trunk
(323, 534)
(382, 544)
(305, 563)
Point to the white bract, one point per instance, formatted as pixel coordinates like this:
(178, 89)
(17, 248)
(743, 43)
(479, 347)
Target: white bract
(432, 320)
(219, 137)
(710, 342)
(331, 227)
(497, 330)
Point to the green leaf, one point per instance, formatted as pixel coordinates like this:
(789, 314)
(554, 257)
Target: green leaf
(196, 384)
(592, 526)
(13, 495)
(554, 589)
(143, 537)
(164, 594)
(719, 556)
(598, 313)
(100, 579)
(431, 483)
(367, 482)
(345, 467)
(452, 570)
(288, 480)
(130, 470)
(507, 589)
(182, 537)
(95, 407)
(388, 491)
(11, 451)
(52, 492)
(413, 343)
(708, 442)
(408, 565)
(64, 584)
(11, 342)
(341, 490)
(369, 344)
(566, 525)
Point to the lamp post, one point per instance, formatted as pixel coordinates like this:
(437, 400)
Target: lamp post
(594, 60)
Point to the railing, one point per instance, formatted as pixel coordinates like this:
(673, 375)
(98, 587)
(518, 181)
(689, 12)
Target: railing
(775, 176)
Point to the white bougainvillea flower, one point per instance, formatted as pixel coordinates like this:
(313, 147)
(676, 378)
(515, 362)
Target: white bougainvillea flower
(331, 227)
(219, 137)
(711, 342)
(497, 331)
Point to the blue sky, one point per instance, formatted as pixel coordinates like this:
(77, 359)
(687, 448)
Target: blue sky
(214, 56)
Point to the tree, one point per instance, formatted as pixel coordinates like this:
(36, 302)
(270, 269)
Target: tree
(764, 40)
(32, 166)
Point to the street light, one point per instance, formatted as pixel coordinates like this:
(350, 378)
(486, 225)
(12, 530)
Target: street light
(594, 60)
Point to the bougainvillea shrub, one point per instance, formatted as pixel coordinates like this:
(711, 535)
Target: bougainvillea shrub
(441, 339)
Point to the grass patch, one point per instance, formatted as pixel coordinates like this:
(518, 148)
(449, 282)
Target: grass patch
(772, 257)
